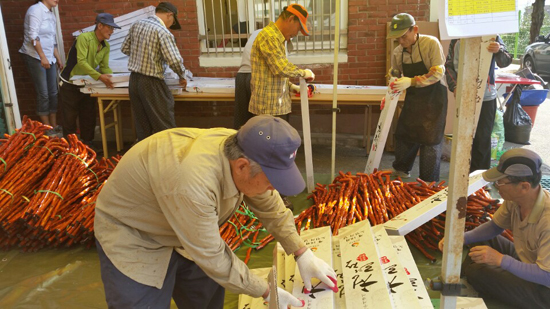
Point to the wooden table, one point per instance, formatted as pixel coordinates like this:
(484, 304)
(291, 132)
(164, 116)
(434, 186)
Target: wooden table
(111, 103)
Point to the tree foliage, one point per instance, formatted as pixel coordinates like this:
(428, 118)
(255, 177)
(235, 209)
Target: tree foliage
(524, 36)
(537, 18)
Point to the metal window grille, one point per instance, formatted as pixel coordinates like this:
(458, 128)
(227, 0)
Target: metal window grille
(225, 25)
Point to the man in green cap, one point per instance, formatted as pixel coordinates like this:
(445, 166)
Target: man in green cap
(419, 63)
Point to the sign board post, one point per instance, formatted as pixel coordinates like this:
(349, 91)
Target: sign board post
(469, 23)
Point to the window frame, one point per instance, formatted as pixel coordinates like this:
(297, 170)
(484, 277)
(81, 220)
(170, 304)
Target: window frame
(231, 56)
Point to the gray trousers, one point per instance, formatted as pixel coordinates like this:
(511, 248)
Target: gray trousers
(185, 282)
(152, 105)
(494, 282)
(242, 99)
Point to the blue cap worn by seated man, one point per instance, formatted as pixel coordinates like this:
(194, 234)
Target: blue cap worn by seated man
(106, 19)
(400, 24)
(273, 143)
(517, 162)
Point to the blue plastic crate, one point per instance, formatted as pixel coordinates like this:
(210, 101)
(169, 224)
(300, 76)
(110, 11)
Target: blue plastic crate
(532, 97)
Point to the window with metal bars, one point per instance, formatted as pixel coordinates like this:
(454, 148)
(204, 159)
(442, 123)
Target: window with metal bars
(225, 25)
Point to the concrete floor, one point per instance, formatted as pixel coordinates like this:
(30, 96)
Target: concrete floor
(70, 278)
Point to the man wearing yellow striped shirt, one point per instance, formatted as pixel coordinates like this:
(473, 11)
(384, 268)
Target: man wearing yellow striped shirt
(271, 70)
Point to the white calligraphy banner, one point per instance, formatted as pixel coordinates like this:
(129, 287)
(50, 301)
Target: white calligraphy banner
(364, 283)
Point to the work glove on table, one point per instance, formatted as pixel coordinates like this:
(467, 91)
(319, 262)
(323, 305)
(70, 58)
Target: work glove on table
(295, 88)
(308, 75)
(311, 266)
(401, 84)
(286, 299)
(183, 83)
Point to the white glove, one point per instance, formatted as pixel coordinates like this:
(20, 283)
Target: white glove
(294, 88)
(308, 75)
(311, 266)
(401, 84)
(286, 299)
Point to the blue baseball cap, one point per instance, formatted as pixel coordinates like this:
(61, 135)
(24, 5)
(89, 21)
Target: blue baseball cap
(106, 19)
(273, 143)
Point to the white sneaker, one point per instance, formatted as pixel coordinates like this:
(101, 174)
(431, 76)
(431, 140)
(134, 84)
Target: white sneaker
(395, 173)
(51, 133)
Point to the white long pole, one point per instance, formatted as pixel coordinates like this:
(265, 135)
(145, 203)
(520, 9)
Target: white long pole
(59, 35)
(7, 84)
(335, 87)
(468, 94)
(306, 130)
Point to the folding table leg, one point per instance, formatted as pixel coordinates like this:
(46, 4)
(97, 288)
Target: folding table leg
(102, 126)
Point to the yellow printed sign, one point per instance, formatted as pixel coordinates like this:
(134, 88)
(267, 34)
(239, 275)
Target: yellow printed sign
(473, 7)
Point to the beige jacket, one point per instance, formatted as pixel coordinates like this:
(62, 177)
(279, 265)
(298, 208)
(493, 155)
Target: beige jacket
(172, 191)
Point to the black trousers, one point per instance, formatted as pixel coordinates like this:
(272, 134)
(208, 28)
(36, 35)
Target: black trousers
(185, 282)
(242, 99)
(76, 104)
(430, 159)
(481, 146)
(152, 105)
(494, 282)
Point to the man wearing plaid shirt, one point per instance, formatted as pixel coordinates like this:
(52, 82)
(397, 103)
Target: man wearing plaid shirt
(271, 69)
(151, 47)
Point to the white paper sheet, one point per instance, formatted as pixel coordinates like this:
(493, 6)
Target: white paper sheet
(405, 256)
(339, 299)
(472, 18)
(319, 241)
(400, 287)
(247, 301)
(280, 263)
(426, 210)
(364, 282)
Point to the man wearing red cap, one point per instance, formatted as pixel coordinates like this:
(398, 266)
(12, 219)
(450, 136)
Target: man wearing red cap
(270, 86)
(518, 272)
(157, 218)
(271, 69)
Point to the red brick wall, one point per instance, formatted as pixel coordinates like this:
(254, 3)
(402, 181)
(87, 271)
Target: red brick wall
(366, 45)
